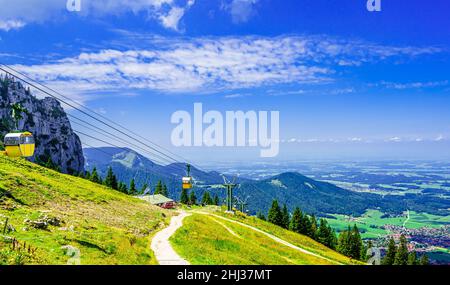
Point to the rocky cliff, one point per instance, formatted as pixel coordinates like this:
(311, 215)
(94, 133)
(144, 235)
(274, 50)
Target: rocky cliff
(56, 142)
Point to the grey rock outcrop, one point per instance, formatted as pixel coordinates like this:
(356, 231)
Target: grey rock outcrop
(56, 142)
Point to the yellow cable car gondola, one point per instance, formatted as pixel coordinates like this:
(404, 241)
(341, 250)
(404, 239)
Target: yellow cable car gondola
(20, 144)
(187, 180)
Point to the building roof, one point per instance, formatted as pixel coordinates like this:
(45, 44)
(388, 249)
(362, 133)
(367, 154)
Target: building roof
(155, 199)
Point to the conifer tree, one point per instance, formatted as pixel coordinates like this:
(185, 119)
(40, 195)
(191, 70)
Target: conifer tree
(184, 198)
(305, 225)
(344, 242)
(87, 175)
(132, 189)
(95, 177)
(286, 218)
(216, 200)
(158, 188)
(332, 238)
(391, 252)
(296, 220)
(322, 232)
(355, 243)
(193, 198)
(412, 258)
(275, 216)
(206, 199)
(164, 191)
(312, 232)
(401, 257)
(110, 179)
(326, 235)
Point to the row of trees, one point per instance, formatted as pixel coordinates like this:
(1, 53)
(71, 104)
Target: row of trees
(112, 182)
(399, 255)
(302, 223)
(191, 199)
(348, 243)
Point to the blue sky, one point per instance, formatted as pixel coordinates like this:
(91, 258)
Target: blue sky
(349, 84)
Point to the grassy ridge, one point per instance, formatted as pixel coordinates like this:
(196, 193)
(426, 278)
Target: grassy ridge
(106, 226)
(210, 240)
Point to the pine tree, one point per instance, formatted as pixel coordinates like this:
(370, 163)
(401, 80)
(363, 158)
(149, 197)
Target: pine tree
(87, 175)
(260, 216)
(424, 260)
(184, 198)
(193, 198)
(322, 232)
(355, 243)
(296, 220)
(305, 225)
(158, 188)
(164, 191)
(312, 232)
(344, 242)
(95, 177)
(391, 252)
(132, 189)
(412, 258)
(275, 216)
(216, 200)
(401, 257)
(326, 235)
(110, 179)
(206, 199)
(286, 218)
(332, 239)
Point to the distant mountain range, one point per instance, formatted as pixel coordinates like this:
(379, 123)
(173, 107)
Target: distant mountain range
(291, 188)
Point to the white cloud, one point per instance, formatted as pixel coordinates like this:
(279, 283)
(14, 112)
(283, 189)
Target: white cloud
(439, 138)
(11, 25)
(414, 85)
(342, 91)
(237, 95)
(210, 64)
(167, 12)
(394, 139)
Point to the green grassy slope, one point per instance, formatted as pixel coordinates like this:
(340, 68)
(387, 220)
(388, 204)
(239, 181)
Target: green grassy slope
(106, 226)
(207, 239)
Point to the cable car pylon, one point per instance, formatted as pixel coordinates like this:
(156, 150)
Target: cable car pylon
(229, 186)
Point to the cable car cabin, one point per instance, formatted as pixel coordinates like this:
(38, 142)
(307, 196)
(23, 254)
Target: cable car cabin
(187, 182)
(19, 144)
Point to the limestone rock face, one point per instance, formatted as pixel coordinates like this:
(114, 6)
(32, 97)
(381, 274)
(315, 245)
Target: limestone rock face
(56, 143)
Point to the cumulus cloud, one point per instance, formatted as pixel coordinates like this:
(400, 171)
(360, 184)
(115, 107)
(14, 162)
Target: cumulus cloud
(167, 12)
(210, 64)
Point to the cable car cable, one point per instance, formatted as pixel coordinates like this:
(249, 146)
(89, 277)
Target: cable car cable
(90, 110)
